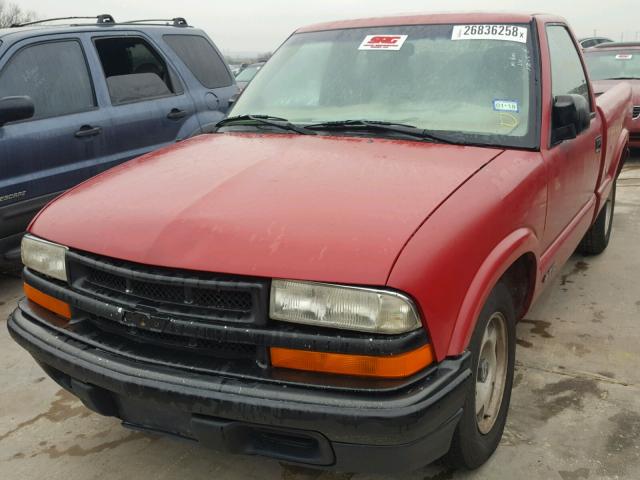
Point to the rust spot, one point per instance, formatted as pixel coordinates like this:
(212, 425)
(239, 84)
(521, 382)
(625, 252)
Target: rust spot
(540, 327)
(517, 380)
(581, 473)
(570, 393)
(78, 451)
(626, 432)
(579, 267)
(577, 349)
(598, 316)
(64, 406)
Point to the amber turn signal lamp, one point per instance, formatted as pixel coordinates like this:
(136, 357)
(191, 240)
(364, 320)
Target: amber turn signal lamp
(395, 366)
(47, 301)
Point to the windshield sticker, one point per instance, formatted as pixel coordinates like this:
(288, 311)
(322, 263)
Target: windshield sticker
(506, 106)
(383, 42)
(624, 57)
(510, 33)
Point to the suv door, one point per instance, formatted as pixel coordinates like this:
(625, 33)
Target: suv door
(146, 99)
(61, 144)
(207, 75)
(573, 164)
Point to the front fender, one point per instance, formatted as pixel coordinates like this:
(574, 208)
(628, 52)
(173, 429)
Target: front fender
(521, 242)
(451, 263)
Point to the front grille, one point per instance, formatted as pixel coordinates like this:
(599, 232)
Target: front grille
(227, 300)
(171, 293)
(636, 111)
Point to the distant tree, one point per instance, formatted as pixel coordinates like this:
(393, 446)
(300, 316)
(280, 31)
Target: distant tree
(11, 14)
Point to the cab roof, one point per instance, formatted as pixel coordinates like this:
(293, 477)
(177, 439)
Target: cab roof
(425, 19)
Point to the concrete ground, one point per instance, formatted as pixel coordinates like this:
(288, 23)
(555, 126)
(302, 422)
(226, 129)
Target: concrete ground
(575, 410)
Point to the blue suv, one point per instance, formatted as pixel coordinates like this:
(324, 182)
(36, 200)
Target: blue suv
(76, 100)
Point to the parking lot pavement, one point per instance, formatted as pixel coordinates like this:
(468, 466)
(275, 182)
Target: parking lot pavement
(575, 410)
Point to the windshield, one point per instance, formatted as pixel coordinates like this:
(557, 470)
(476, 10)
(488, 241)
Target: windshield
(479, 86)
(618, 64)
(248, 73)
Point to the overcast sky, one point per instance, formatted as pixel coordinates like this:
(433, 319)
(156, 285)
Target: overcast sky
(261, 25)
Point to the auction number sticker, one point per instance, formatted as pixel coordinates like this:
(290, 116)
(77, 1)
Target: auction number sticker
(511, 33)
(383, 42)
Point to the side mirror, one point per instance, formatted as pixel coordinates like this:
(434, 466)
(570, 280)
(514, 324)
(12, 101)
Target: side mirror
(233, 99)
(571, 116)
(13, 109)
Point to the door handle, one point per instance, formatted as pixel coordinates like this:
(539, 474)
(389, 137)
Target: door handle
(598, 144)
(88, 131)
(176, 114)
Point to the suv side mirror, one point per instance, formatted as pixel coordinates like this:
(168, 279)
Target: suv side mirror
(571, 116)
(13, 109)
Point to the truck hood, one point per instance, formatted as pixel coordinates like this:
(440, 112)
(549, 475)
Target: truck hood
(336, 209)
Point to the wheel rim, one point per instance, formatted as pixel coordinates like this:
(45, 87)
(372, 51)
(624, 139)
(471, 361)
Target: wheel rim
(491, 374)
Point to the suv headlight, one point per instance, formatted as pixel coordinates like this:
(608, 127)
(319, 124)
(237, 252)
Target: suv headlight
(344, 307)
(44, 257)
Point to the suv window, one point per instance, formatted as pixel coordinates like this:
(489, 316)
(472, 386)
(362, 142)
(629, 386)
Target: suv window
(134, 70)
(54, 75)
(201, 58)
(567, 73)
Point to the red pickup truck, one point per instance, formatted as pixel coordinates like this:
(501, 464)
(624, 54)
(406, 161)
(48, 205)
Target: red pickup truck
(333, 277)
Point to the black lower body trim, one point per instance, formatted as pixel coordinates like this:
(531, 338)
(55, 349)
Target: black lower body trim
(341, 430)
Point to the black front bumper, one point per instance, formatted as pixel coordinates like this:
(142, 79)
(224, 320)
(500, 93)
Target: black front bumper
(345, 430)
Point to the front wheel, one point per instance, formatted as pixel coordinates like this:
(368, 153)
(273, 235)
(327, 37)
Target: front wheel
(492, 361)
(597, 237)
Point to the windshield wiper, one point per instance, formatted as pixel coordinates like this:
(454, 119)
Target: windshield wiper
(400, 128)
(277, 122)
(623, 78)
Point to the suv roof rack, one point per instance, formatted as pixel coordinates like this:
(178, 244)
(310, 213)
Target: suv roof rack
(176, 22)
(100, 19)
(106, 19)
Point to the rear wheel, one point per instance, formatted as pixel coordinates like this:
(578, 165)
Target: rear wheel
(492, 360)
(597, 237)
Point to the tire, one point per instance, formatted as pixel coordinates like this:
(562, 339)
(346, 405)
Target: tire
(597, 237)
(474, 440)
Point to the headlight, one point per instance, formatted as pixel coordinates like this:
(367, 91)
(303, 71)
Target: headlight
(44, 257)
(349, 308)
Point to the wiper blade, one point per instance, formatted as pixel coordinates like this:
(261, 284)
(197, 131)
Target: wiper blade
(401, 128)
(623, 78)
(272, 121)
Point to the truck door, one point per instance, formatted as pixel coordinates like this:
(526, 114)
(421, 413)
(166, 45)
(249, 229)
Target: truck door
(59, 146)
(573, 165)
